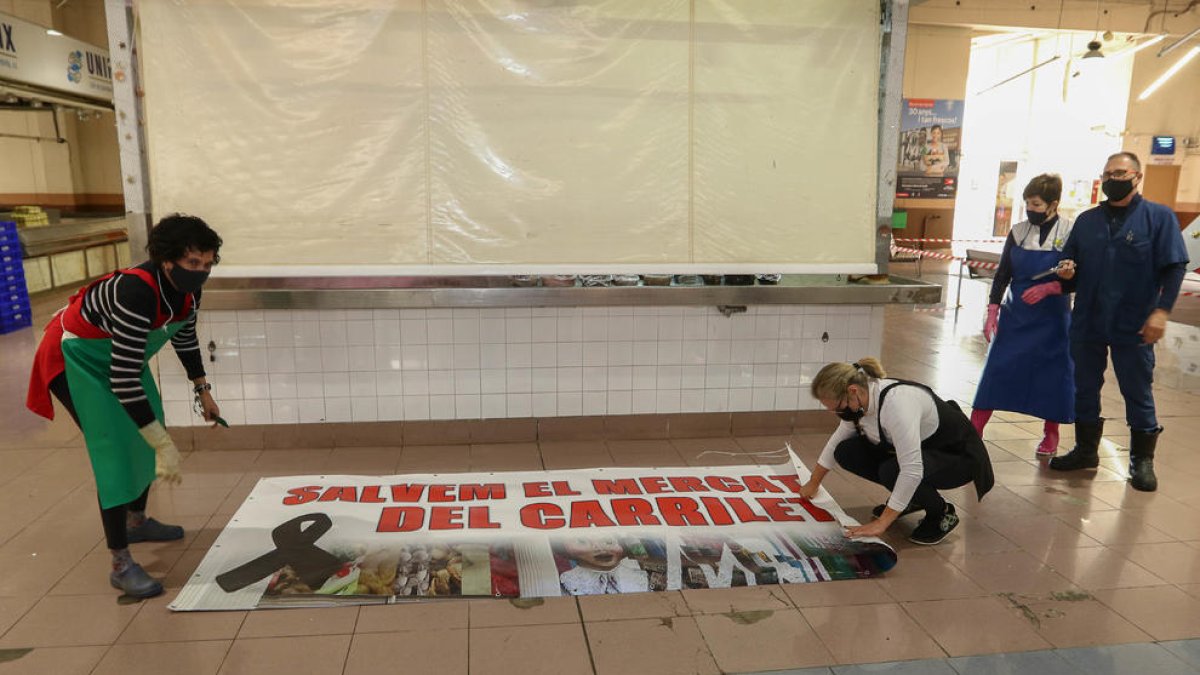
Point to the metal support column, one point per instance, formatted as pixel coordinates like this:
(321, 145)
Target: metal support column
(127, 104)
(894, 38)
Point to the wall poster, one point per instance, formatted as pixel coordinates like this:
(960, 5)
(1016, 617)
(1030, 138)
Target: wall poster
(930, 147)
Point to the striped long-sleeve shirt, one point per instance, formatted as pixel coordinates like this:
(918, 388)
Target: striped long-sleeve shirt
(125, 307)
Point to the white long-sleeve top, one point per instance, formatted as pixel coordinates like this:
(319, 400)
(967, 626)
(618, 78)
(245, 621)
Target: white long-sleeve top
(911, 417)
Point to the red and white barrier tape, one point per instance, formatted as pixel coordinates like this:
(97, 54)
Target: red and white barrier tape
(979, 264)
(953, 241)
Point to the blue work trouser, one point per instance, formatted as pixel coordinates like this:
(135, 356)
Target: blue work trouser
(1134, 366)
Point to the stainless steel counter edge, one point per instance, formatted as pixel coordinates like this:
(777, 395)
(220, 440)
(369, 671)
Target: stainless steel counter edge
(228, 294)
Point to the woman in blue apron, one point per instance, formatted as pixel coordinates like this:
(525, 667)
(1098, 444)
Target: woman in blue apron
(1029, 368)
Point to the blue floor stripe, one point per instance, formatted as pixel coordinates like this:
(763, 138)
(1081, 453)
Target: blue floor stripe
(1154, 658)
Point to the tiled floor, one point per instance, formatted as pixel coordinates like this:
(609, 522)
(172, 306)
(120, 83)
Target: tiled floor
(1165, 658)
(1050, 574)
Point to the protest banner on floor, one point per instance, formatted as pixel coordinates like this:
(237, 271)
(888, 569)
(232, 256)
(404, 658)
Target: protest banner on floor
(324, 540)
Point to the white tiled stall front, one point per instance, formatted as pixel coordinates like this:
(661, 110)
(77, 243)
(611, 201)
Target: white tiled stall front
(328, 365)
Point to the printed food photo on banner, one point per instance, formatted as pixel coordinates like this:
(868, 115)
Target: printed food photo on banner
(415, 569)
(329, 540)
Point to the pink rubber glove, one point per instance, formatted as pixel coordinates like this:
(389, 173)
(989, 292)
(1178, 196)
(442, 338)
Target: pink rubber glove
(1040, 292)
(993, 320)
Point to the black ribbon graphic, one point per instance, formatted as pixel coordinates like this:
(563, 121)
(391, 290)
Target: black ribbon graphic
(294, 546)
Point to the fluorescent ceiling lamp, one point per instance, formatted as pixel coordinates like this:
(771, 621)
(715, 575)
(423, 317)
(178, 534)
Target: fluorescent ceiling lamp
(1048, 61)
(997, 39)
(1162, 79)
(51, 31)
(1148, 43)
(1175, 45)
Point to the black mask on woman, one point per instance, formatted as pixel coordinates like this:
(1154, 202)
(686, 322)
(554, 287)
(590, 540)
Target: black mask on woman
(1037, 218)
(850, 415)
(187, 281)
(1116, 190)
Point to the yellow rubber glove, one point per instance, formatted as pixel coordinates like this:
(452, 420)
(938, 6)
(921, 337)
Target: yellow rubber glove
(166, 455)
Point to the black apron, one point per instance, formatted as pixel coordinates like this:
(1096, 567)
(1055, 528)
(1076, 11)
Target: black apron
(954, 440)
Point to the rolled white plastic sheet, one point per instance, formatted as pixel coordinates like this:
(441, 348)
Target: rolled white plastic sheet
(395, 132)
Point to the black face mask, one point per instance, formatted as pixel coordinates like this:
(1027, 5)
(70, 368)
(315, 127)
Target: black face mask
(1116, 190)
(1037, 217)
(850, 415)
(187, 281)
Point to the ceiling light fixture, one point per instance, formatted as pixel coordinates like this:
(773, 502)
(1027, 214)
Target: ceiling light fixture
(1148, 43)
(1093, 50)
(1134, 50)
(1057, 33)
(1178, 43)
(1170, 72)
(55, 33)
(1093, 47)
(1048, 61)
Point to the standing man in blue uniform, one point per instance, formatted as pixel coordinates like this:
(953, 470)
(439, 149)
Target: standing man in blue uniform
(1125, 261)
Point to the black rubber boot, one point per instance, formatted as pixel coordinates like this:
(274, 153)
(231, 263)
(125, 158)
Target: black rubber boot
(1085, 453)
(1141, 460)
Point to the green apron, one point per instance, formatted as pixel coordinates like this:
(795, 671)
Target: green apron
(121, 459)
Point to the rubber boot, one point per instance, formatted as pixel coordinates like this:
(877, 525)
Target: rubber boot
(1085, 453)
(1141, 460)
(1049, 445)
(979, 419)
(135, 582)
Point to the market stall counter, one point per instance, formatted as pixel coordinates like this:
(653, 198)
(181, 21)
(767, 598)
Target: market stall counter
(297, 351)
(66, 253)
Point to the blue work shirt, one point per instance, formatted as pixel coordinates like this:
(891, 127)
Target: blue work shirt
(1117, 274)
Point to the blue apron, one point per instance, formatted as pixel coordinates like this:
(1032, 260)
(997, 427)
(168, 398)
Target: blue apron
(1029, 368)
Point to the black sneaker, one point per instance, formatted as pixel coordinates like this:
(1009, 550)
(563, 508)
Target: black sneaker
(930, 531)
(911, 508)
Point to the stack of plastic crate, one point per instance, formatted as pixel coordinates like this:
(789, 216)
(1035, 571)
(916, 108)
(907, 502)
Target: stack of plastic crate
(14, 295)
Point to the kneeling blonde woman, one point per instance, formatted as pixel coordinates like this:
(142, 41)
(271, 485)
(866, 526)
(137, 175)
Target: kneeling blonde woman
(902, 436)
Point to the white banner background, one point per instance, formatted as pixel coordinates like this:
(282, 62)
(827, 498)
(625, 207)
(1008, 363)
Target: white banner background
(720, 526)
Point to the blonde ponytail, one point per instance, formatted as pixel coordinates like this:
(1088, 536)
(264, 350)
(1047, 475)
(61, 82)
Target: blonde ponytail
(835, 379)
(872, 367)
